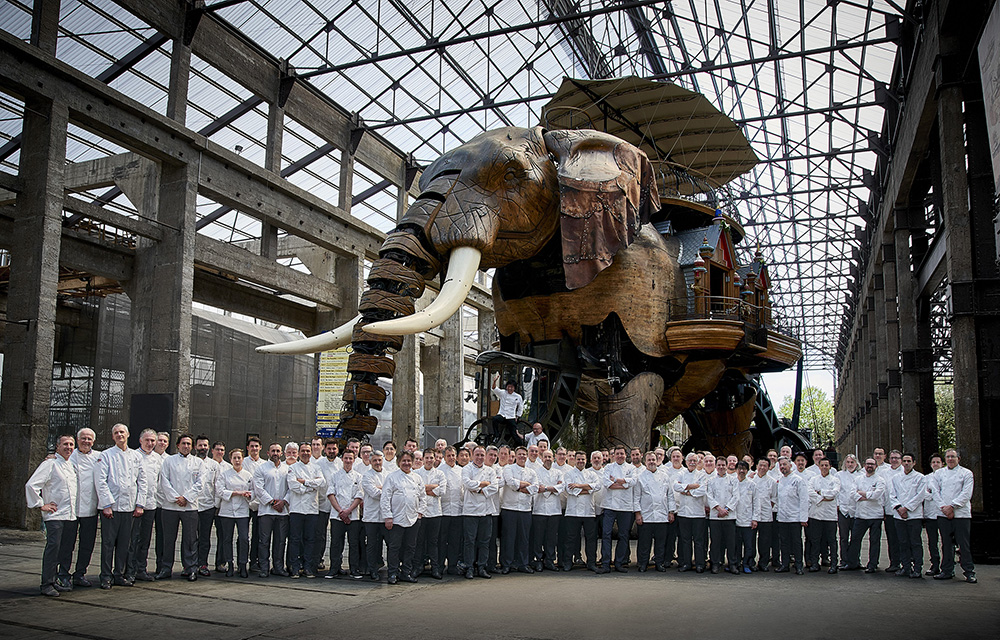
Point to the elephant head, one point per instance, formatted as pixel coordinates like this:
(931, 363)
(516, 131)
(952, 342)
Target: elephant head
(499, 198)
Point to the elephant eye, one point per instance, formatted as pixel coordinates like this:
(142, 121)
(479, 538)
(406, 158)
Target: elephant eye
(512, 176)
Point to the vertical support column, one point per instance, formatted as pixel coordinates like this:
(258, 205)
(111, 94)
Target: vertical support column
(346, 183)
(909, 392)
(880, 386)
(959, 261)
(29, 339)
(487, 329)
(892, 407)
(180, 73)
(272, 162)
(406, 392)
(161, 294)
(45, 25)
(451, 371)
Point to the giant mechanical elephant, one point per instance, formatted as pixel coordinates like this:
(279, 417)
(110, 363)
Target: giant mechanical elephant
(561, 215)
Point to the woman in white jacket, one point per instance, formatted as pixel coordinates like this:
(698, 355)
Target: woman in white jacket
(234, 486)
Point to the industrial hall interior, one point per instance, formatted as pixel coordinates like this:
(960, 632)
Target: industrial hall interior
(721, 226)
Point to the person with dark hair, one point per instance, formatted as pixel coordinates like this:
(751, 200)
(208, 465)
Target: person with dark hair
(868, 491)
(270, 488)
(930, 517)
(519, 484)
(451, 546)
(906, 495)
(654, 502)
(793, 515)
(52, 488)
(411, 445)
(389, 462)
(765, 498)
(846, 504)
(429, 536)
(180, 483)
(328, 463)
(479, 482)
(723, 498)
(305, 483)
(251, 461)
(546, 514)
(234, 486)
(824, 487)
(403, 503)
(619, 507)
(746, 526)
(953, 486)
(511, 408)
(345, 494)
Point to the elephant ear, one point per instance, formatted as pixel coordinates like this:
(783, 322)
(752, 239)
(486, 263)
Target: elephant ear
(607, 192)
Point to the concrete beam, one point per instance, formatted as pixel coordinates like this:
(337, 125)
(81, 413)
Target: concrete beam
(101, 173)
(137, 226)
(223, 293)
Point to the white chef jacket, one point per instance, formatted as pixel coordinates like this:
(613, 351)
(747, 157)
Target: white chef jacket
(304, 497)
(845, 498)
(511, 478)
(547, 503)
(619, 499)
(745, 494)
(908, 490)
(793, 498)
(454, 491)
(120, 479)
(85, 465)
(370, 492)
(530, 438)
(721, 491)
(597, 495)
(210, 471)
(476, 499)
(579, 504)
(270, 483)
(151, 463)
(870, 507)
(511, 404)
(887, 472)
(765, 496)
(495, 498)
(228, 481)
(327, 469)
(346, 486)
(180, 476)
(691, 506)
(390, 465)
(53, 481)
(930, 508)
(954, 487)
(251, 465)
(820, 488)
(403, 498)
(654, 495)
(432, 503)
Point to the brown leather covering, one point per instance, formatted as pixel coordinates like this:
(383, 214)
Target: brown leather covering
(386, 269)
(365, 363)
(372, 394)
(394, 343)
(411, 245)
(375, 300)
(365, 424)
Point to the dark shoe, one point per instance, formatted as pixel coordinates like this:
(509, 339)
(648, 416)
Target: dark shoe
(230, 571)
(105, 584)
(621, 568)
(483, 573)
(468, 574)
(602, 570)
(971, 578)
(699, 569)
(641, 569)
(393, 580)
(525, 569)
(121, 582)
(142, 576)
(747, 570)
(567, 567)
(715, 569)
(661, 568)
(81, 581)
(192, 576)
(436, 574)
(219, 568)
(279, 572)
(354, 576)
(550, 566)
(763, 567)
(374, 576)
(944, 576)
(255, 567)
(799, 571)
(50, 591)
(537, 567)
(832, 570)
(331, 575)
(850, 567)
(321, 566)
(814, 568)
(916, 574)
(410, 579)
(505, 570)
(683, 568)
(590, 567)
(243, 572)
(871, 570)
(933, 571)
(262, 574)
(61, 586)
(781, 569)
(901, 573)
(892, 569)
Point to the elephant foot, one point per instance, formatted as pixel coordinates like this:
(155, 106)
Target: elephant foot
(728, 430)
(627, 416)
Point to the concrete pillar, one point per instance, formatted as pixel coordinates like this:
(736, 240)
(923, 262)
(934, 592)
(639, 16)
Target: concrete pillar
(909, 391)
(272, 162)
(451, 356)
(881, 383)
(180, 74)
(893, 409)
(406, 392)
(29, 336)
(161, 294)
(346, 183)
(45, 25)
(487, 329)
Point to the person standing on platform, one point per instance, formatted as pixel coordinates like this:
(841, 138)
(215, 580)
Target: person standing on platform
(953, 485)
(906, 495)
(403, 501)
(869, 489)
(510, 409)
(180, 483)
(52, 488)
(121, 496)
(535, 437)
(142, 528)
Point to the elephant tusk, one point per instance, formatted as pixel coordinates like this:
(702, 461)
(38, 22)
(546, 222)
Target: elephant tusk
(463, 263)
(339, 337)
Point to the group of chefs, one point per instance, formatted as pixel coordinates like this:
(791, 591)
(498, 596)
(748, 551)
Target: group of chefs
(476, 511)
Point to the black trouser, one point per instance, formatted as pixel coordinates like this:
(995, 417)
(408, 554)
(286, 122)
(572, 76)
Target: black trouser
(85, 535)
(508, 425)
(494, 560)
(271, 543)
(352, 530)
(476, 536)
(956, 531)
(745, 541)
(545, 538)
(515, 546)
(116, 534)
(319, 537)
(428, 539)
(790, 542)
(652, 536)
(933, 543)
(671, 543)
(624, 520)
(254, 537)
(374, 533)
(138, 548)
(691, 531)
(205, 520)
(400, 547)
(452, 542)
(563, 545)
(775, 542)
(55, 551)
(911, 549)
(158, 539)
(363, 548)
(892, 538)
(302, 542)
(822, 537)
(873, 527)
(242, 526)
(188, 522)
(723, 535)
(573, 526)
(845, 524)
(765, 540)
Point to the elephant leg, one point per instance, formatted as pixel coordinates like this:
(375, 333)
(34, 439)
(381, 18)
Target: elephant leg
(627, 416)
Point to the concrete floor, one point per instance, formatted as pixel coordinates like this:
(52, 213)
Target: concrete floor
(565, 605)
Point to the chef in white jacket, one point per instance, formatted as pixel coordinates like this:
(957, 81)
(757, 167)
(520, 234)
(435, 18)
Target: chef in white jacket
(580, 483)
(655, 508)
(270, 488)
(889, 471)
(403, 502)
(619, 506)
(234, 486)
(452, 540)
(824, 489)
(479, 481)
(180, 483)
(429, 535)
(305, 485)
(793, 515)
(846, 504)
(953, 487)
(930, 517)
(906, 498)
(518, 485)
(52, 488)
(328, 463)
(372, 522)
(723, 498)
(689, 490)
(121, 496)
(546, 513)
(869, 489)
(746, 525)
(142, 527)
(344, 492)
(83, 530)
(765, 501)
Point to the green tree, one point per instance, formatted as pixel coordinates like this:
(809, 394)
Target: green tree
(816, 414)
(944, 398)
